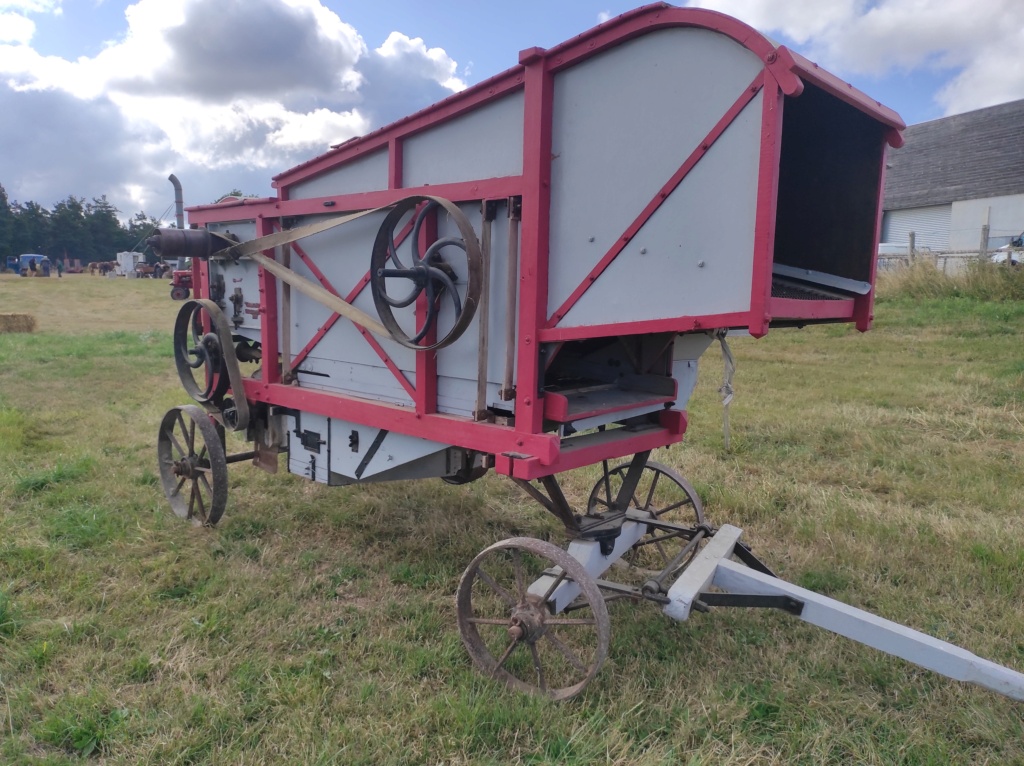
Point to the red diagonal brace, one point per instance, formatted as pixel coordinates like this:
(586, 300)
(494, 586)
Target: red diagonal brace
(326, 326)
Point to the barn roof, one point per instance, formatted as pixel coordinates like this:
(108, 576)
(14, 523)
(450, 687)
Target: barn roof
(966, 156)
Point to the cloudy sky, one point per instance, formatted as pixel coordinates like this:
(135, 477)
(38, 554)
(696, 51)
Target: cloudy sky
(108, 97)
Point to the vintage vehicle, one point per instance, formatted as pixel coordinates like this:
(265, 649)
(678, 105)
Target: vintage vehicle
(522, 279)
(181, 283)
(29, 264)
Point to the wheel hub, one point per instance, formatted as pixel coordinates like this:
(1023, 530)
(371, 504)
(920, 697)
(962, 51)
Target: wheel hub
(184, 468)
(527, 623)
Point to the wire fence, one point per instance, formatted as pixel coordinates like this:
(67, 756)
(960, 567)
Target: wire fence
(950, 262)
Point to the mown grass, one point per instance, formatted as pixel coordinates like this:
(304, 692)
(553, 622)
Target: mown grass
(316, 625)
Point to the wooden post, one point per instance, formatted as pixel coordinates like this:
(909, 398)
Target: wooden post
(983, 245)
(910, 246)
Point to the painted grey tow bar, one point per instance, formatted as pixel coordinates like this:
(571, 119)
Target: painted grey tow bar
(713, 568)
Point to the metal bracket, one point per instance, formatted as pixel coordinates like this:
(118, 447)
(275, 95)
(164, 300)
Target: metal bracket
(743, 553)
(374, 446)
(311, 441)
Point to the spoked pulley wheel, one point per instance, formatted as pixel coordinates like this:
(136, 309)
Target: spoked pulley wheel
(397, 283)
(668, 497)
(193, 465)
(199, 353)
(512, 628)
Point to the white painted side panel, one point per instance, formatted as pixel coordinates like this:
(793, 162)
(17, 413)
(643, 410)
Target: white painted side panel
(699, 244)
(345, 446)
(243, 276)
(244, 230)
(624, 122)
(484, 143)
(457, 364)
(396, 450)
(313, 464)
(686, 353)
(343, 361)
(364, 174)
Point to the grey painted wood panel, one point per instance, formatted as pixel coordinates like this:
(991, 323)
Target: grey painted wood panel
(624, 121)
(363, 174)
(484, 143)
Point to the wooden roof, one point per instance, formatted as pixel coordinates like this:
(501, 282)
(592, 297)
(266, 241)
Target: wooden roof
(966, 156)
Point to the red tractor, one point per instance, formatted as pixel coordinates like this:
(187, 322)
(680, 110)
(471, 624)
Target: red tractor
(181, 284)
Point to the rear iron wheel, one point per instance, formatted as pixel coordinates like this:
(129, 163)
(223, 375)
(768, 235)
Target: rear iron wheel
(193, 465)
(510, 623)
(667, 497)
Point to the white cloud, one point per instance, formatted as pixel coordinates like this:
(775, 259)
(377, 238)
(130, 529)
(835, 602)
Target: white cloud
(15, 24)
(603, 16)
(223, 92)
(994, 76)
(31, 6)
(412, 54)
(800, 20)
(977, 44)
(15, 28)
(319, 128)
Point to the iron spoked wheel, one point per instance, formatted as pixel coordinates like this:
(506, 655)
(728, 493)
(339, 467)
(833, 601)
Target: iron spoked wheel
(512, 630)
(664, 494)
(193, 465)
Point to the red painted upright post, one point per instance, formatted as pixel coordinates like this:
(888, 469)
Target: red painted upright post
(395, 163)
(534, 242)
(268, 312)
(767, 204)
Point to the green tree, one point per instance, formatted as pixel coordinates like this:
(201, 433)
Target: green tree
(69, 230)
(107, 235)
(89, 231)
(6, 227)
(140, 228)
(30, 232)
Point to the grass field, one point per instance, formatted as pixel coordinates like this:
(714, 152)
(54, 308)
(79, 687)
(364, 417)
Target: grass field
(316, 625)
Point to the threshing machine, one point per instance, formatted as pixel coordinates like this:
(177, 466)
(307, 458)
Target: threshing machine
(522, 278)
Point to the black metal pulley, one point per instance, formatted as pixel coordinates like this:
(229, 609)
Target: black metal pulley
(188, 243)
(426, 274)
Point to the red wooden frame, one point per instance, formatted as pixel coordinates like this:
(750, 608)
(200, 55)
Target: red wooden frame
(525, 450)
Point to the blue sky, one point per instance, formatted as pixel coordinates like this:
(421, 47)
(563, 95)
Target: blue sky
(107, 97)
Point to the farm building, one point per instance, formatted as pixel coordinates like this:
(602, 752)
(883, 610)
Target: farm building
(955, 175)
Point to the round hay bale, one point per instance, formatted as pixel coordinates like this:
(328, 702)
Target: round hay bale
(17, 323)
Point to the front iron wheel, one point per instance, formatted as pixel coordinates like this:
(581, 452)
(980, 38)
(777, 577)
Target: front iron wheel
(508, 615)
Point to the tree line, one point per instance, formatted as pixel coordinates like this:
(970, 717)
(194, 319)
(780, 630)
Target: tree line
(73, 228)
